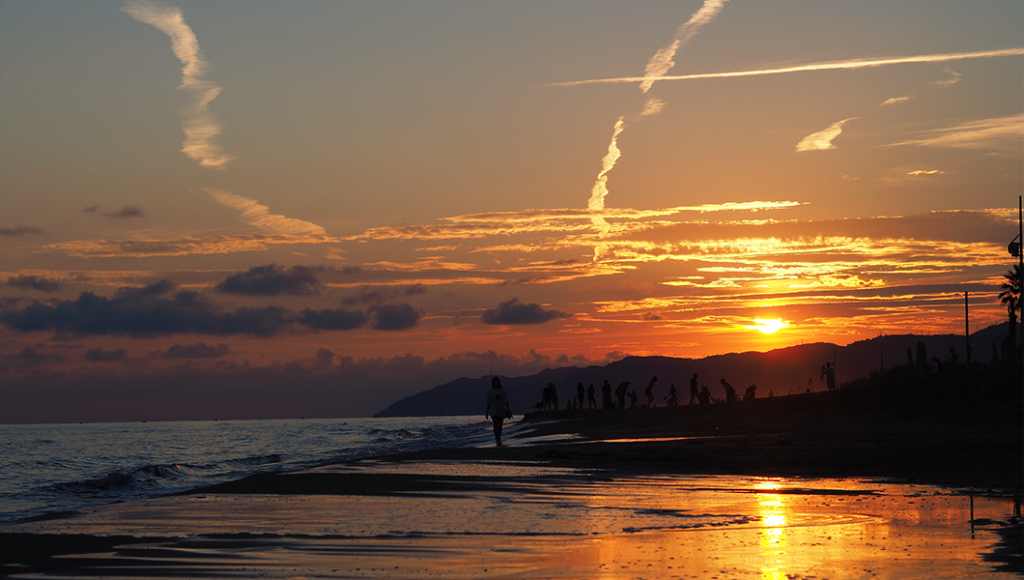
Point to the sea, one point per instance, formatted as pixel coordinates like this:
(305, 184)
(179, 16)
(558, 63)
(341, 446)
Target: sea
(56, 468)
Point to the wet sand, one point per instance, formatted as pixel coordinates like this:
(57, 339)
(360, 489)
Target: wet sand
(780, 488)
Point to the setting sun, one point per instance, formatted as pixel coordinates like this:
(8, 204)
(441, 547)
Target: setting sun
(768, 325)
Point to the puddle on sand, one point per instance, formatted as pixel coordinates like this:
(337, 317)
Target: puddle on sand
(579, 527)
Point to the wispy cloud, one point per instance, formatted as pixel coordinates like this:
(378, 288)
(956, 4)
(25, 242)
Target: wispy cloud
(19, 230)
(659, 64)
(201, 128)
(258, 215)
(998, 134)
(652, 107)
(199, 245)
(566, 221)
(918, 172)
(822, 140)
(600, 189)
(954, 78)
(662, 61)
(895, 101)
(851, 64)
(128, 211)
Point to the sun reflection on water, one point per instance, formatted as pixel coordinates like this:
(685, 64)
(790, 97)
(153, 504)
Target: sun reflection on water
(772, 512)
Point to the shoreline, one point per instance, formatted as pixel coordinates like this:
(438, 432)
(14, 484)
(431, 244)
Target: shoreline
(932, 436)
(955, 433)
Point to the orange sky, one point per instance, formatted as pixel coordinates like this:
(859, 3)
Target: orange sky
(220, 188)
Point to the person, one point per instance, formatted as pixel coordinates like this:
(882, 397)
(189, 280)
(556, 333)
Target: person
(830, 377)
(591, 402)
(606, 395)
(620, 392)
(694, 393)
(579, 395)
(498, 408)
(730, 393)
(632, 398)
(649, 391)
(673, 396)
(705, 395)
(750, 393)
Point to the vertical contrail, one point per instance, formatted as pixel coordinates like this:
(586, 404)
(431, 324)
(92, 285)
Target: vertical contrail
(659, 64)
(600, 189)
(662, 61)
(201, 129)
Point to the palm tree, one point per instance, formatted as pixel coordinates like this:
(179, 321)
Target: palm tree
(1010, 296)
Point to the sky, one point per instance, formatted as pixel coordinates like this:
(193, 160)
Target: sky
(266, 209)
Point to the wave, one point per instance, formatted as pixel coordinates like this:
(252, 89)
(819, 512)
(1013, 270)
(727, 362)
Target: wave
(90, 465)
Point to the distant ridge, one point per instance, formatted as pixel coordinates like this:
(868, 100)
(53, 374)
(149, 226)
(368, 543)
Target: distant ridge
(783, 371)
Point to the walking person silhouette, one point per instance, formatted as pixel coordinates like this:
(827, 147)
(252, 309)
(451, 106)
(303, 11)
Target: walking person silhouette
(498, 408)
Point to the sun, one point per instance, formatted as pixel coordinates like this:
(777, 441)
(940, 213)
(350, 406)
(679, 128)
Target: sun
(768, 325)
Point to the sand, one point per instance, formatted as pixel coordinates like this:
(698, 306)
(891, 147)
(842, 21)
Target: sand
(880, 482)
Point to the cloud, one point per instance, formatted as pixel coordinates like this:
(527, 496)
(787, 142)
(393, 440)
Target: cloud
(600, 189)
(91, 209)
(515, 312)
(662, 61)
(954, 79)
(851, 64)
(333, 319)
(271, 281)
(652, 107)
(198, 350)
(895, 101)
(918, 172)
(316, 387)
(259, 215)
(32, 356)
(147, 311)
(100, 355)
(128, 211)
(998, 134)
(182, 246)
(395, 316)
(562, 221)
(376, 294)
(34, 282)
(822, 140)
(201, 128)
(19, 230)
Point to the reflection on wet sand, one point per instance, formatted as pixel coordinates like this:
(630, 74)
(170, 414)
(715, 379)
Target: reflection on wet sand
(773, 541)
(538, 522)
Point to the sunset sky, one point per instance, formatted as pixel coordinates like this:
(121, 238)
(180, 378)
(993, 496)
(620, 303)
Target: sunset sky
(260, 209)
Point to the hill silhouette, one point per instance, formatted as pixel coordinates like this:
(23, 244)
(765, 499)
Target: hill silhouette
(783, 371)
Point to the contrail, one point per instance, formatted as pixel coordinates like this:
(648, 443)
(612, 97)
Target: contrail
(600, 189)
(822, 140)
(833, 65)
(662, 61)
(256, 214)
(201, 129)
(659, 64)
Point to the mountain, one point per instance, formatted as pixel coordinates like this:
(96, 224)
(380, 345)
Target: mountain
(783, 371)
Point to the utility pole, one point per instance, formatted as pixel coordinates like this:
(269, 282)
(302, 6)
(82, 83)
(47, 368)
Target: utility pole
(967, 330)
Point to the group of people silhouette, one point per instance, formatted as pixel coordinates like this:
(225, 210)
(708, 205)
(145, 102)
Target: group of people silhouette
(615, 397)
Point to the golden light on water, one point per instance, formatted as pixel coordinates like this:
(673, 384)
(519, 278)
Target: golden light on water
(772, 510)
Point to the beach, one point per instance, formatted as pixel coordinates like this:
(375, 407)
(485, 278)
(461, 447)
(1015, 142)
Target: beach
(861, 483)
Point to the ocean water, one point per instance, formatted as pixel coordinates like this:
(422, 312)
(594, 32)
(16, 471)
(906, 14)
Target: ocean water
(46, 469)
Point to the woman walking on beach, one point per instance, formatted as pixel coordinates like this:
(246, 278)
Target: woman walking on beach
(497, 407)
